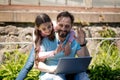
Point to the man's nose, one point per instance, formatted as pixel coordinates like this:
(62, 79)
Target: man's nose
(64, 28)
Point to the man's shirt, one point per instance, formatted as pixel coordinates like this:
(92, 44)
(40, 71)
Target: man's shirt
(48, 45)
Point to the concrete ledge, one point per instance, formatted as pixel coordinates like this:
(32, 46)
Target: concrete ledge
(29, 16)
(22, 13)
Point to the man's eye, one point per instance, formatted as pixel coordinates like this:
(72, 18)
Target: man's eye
(67, 26)
(61, 25)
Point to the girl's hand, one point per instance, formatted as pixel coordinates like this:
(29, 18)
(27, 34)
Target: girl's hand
(59, 49)
(52, 69)
(67, 48)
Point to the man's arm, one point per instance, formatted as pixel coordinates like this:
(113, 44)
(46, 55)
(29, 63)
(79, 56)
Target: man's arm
(82, 41)
(83, 52)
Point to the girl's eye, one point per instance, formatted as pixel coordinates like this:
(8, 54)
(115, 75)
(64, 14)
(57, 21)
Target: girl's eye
(49, 27)
(43, 29)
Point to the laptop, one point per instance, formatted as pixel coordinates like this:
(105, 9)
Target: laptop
(69, 65)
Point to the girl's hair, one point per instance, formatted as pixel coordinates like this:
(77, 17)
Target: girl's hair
(40, 19)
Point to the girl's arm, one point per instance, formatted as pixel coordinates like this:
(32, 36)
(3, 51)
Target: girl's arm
(67, 48)
(45, 68)
(72, 34)
(44, 55)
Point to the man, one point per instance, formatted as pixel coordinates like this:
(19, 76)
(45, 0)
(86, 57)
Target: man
(65, 21)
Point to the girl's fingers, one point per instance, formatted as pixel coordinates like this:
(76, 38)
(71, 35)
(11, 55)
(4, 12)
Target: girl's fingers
(60, 48)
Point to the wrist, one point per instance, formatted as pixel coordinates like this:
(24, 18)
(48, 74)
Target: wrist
(84, 44)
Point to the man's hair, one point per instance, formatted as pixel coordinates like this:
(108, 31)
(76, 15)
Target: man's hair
(65, 14)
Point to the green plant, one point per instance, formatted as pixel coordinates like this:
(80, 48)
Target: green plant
(105, 64)
(105, 67)
(33, 75)
(13, 63)
(107, 32)
(104, 72)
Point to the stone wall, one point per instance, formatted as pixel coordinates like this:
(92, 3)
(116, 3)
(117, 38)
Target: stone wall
(19, 34)
(15, 34)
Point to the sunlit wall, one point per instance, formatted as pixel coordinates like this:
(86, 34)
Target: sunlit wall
(79, 3)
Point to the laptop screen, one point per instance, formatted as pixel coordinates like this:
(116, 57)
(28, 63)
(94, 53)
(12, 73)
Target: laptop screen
(69, 65)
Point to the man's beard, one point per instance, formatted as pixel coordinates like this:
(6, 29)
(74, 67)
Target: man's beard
(62, 33)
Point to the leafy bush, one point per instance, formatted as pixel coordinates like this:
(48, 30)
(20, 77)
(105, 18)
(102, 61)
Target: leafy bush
(105, 64)
(33, 75)
(107, 32)
(13, 63)
(104, 72)
(105, 67)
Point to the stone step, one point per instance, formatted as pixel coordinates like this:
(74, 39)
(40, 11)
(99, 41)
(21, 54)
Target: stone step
(17, 13)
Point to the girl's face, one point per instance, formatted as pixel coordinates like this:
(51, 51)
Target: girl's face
(46, 28)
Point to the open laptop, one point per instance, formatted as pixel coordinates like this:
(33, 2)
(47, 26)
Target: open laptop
(70, 65)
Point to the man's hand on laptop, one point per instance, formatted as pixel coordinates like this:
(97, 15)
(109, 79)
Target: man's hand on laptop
(52, 69)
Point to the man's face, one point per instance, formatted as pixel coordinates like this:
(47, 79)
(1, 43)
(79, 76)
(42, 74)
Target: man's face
(64, 26)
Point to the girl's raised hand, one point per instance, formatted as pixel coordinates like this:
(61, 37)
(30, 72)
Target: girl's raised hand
(59, 48)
